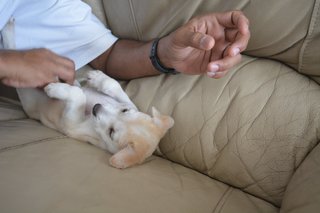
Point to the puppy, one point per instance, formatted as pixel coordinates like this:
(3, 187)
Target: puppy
(100, 113)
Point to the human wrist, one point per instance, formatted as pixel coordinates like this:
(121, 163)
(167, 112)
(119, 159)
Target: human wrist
(162, 52)
(157, 63)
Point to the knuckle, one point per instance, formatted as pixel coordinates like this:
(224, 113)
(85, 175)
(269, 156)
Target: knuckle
(195, 38)
(238, 13)
(226, 64)
(45, 51)
(72, 66)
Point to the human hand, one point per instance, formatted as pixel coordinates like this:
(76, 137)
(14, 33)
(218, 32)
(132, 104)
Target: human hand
(34, 68)
(206, 44)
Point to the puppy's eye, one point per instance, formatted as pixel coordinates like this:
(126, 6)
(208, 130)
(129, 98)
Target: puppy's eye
(111, 132)
(124, 110)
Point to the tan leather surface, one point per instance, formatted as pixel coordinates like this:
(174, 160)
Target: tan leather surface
(303, 192)
(252, 134)
(24, 131)
(98, 9)
(63, 175)
(310, 59)
(10, 110)
(250, 129)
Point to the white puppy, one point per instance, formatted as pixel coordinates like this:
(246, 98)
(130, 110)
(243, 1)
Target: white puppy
(100, 113)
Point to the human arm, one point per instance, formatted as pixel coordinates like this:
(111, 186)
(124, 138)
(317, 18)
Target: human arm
(34, 68)
(205, 45)
(194, 48)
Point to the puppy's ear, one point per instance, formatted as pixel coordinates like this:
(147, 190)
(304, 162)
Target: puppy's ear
(133, 153)
(164, 122)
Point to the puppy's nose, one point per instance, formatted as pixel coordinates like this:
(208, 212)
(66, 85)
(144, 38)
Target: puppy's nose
(95, 109)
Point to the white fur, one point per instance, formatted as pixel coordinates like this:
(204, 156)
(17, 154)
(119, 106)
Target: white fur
(100, 113)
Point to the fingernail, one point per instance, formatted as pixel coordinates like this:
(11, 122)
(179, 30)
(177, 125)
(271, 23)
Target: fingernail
(213, 68)
(204, 43)
(211, 74)
(235, 51)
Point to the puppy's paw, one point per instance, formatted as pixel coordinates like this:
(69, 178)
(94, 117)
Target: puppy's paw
(62, 91)
(56, 90)
(103, 83)
(95, 78)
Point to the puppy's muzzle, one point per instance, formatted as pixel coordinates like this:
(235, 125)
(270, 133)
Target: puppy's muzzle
(96, 108)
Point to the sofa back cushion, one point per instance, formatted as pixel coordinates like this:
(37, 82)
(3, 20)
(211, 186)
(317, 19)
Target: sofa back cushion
(250, 129)
(286, 30)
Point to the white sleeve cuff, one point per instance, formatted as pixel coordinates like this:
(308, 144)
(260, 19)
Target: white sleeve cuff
(88, 52)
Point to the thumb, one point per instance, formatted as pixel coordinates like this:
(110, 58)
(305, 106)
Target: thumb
(198, 40)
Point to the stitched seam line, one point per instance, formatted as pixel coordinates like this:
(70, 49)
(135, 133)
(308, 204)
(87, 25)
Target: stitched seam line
(313, 21)
(105, 14)
(30, 143)
(134, 20)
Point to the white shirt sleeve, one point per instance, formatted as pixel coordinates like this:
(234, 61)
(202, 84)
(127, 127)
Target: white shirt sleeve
(67, 27)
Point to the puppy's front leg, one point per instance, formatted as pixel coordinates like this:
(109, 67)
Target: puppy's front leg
(108, 86)
(74, 101)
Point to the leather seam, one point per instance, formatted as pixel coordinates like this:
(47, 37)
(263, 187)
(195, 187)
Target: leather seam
(134, 19)
(9, 148)
(313, 21)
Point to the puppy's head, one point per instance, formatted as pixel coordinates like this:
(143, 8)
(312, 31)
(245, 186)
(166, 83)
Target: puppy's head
(130, 135)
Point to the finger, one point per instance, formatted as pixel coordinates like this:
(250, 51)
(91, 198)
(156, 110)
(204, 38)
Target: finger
(239, 42)
(58, 59)
(8, 82)
(66, 73)
(13, 83)
(64, 68)
(68, 63)
(222, 65)
(231, 34)
(218, 51)
(241, 22)
(237, 28)
(234, 19)
(66, 77)
(196, 40)
(239, 45)
(43, 80)
(243, 35)
(218, 75)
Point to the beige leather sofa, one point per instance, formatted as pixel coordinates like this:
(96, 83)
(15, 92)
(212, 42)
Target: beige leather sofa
(245, 143)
